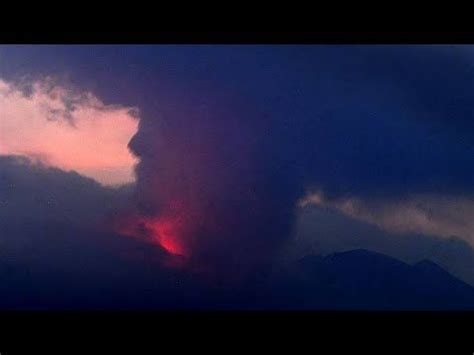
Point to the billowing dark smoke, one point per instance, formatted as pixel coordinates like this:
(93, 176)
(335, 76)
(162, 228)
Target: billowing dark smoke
(224, 161)
(211, 187)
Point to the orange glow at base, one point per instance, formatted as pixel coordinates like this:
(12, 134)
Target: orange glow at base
(164, 232)
(161, 231)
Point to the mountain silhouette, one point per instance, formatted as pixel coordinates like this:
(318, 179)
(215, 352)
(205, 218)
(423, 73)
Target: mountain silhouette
(365, 280)
(352, 280)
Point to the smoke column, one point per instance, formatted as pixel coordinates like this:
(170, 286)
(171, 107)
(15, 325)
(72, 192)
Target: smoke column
(223, 162)
(210, 191)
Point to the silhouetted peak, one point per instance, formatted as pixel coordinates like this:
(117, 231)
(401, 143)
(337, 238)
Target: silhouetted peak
(362, 257)
(310, 259)
(431, 267)
(357, 253)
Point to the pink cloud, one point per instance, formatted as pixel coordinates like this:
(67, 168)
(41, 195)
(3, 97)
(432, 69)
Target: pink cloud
(68, 129)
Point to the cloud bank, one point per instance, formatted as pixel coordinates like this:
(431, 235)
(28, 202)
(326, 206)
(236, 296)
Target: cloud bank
(66, 128)
(437, 215)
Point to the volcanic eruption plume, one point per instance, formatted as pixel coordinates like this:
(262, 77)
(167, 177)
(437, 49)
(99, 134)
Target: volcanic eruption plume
(225, 155)
(206, 188)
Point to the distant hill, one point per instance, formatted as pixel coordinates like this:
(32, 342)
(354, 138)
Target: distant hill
(361, 279)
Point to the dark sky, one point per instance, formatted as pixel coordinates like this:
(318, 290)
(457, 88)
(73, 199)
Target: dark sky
(377, 140)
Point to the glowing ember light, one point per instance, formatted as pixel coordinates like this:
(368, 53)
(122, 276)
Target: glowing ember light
(164, 233)
(161, 231)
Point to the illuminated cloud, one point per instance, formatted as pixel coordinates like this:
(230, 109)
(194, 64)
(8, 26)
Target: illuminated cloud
(67, 129)
(430, 214)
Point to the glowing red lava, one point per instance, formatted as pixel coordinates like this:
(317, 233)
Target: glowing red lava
(162, 231)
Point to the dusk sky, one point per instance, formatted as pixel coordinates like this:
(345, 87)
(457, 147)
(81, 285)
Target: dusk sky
(217, 165)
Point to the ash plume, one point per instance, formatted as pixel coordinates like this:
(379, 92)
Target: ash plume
(224, 161)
